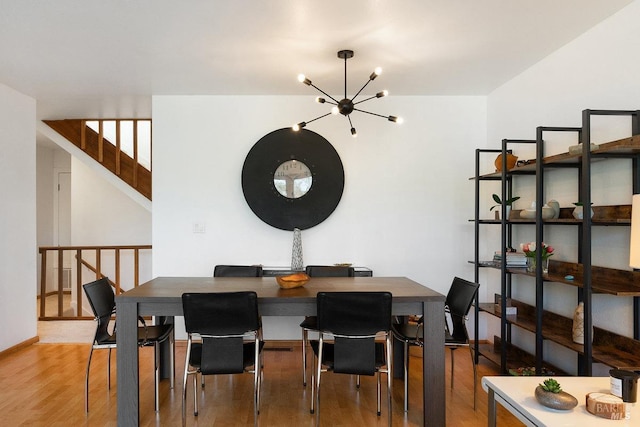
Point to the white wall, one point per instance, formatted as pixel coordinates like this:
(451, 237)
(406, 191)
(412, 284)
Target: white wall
(50, 161)
(103, 215)
(404, 211)
(595, 71)
(18, 225)
(45, 203)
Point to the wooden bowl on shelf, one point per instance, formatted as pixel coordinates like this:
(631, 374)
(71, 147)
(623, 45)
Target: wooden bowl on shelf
(292, 281)
(511, 162)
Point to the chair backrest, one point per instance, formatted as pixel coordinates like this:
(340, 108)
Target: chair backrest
(222, 319)
(237, 271)
(352, 315)
(103, 303)
(459, 301)
(221, 313)
(329, 271)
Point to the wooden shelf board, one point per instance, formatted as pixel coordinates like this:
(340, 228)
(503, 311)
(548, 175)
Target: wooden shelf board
(622, 283)
(625, 146)
(516, 357)
(608, 348)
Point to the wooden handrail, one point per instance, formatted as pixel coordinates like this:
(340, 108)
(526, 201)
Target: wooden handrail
(110, 154)
(80, 263)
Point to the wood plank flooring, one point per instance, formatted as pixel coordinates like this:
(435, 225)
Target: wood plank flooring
(43, 385)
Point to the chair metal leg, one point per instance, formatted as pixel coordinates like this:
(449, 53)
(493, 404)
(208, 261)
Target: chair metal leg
(475, 377)
(313, 387)
(109, 370)
(195, 395)
(172, 359)
(156, 375)
(406, 376)
(256, 382)
(318, 372)
(389, 375)
(86, 382)
(358, 382)
(452, 361)
(305, 342)
(379, 411)
(185, 375)
(184, 397)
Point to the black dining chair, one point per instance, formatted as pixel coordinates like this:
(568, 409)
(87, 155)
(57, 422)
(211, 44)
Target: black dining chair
(237, 271)
(228, 327)
(310, 323)
(103, 304)
(232, 270)
(457, 304)
(354, 320)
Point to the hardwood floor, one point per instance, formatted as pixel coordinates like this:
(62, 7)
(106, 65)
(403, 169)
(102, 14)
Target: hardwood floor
(43, 385)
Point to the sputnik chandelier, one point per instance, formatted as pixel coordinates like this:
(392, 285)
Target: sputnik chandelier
(346, 106)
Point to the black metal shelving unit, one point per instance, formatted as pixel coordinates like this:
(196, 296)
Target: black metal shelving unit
(624, 285)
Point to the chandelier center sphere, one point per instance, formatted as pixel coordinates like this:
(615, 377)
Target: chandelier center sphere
(345, 107)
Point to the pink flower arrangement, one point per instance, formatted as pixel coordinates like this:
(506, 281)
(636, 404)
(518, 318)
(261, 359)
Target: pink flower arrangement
(529, 249)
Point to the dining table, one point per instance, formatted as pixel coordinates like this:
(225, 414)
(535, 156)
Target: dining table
(162, 296)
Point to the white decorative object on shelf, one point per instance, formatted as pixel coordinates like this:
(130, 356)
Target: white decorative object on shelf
(578, 212)
(577, 149)
(578, 324)
(553, 204)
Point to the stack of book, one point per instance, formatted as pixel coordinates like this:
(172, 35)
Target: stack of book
(514, 259)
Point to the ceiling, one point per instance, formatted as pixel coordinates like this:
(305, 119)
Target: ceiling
(96, 58)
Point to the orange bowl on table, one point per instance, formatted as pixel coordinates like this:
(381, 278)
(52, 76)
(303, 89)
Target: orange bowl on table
(292, 280)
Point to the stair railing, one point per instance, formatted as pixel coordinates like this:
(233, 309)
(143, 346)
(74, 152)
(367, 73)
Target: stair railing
(89, 265)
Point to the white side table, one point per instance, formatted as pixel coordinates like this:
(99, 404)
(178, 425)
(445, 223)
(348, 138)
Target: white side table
(516, 394)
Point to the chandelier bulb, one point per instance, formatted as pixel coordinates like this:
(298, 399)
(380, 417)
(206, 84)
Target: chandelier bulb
(320, 100)
(395, 119)
(298, 126)
(381, 94)
(375, 73)
(354, 133)
(335, 110)
(303, 79)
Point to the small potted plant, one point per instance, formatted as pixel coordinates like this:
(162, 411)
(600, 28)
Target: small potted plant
(508, 203)
(550, 394)
(578, 211)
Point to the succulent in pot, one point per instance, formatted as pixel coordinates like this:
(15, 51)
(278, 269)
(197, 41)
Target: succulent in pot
(551, 395)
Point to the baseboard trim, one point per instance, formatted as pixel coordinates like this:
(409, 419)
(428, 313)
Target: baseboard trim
(19, 346)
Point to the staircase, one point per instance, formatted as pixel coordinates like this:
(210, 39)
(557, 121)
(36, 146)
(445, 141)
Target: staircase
(121, 158)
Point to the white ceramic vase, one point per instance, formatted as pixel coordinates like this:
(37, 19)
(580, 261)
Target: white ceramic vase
(578, 323)
(578, 212)
(577, 331)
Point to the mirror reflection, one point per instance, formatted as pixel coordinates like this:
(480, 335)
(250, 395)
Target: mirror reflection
(292, 179)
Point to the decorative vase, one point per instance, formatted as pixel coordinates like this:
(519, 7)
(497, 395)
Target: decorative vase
(578, 212)
(553, 204)
(531, 265)
(497, 212)
(577, 330)
(296, 253)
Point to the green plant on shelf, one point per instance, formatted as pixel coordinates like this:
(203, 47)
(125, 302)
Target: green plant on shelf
(507, 202)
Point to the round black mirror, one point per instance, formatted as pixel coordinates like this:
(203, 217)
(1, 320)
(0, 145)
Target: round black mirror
(285, 158)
